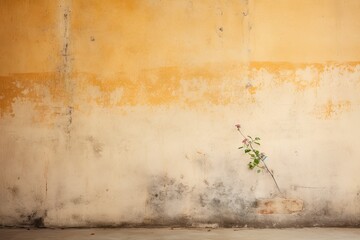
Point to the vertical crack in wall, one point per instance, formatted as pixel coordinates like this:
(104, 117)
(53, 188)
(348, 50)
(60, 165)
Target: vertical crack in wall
(65, 49)
(247, 35)
(65, 69)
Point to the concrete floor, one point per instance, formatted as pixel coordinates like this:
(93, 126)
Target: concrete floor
(182, 234)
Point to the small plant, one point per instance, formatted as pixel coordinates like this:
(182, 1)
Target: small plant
(257, 162)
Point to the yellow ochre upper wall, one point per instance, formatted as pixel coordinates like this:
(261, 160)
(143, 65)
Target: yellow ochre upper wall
(116, 36)
(148, 50)
(305, 31)
(30, 36)
(130, 35)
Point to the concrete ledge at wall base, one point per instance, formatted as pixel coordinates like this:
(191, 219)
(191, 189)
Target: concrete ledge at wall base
(205, 225)
(279, 206)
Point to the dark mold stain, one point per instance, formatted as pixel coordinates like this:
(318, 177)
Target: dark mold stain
(38, 222)
(35, 219)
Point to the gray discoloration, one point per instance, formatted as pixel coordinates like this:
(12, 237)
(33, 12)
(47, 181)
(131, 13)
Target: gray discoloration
(59, 205)
(76, 217)
(213, 202)
(201, 159)
(38, 198)
(14, 190)
(79, 200)
(96, 146)
(223, 204)
(69, 121)
(202, 201)
(216, 202)
(218, 199)
(324, 209)
(162, 191)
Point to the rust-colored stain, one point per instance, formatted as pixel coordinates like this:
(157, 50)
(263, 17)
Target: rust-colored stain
(331, 109)
(268, 208)
(265, 211)
(293, 206)
(279, 206)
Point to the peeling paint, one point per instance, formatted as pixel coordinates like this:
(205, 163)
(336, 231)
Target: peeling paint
(36, 88)
(164, 86)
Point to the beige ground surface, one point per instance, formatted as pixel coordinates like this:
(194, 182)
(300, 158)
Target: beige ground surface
(183, 234)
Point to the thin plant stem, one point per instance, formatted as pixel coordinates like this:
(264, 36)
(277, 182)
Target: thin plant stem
(241, 133)
(263, 161)
(272, 175)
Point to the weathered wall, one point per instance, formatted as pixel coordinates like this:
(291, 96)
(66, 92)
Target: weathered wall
(123, 112)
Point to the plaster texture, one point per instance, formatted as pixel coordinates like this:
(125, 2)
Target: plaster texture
(123, 113)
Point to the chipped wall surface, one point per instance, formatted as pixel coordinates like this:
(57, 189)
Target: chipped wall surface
(122, 113)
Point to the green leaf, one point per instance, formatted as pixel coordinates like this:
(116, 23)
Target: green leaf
(247, 150)
(258, 171)
(257, 160)
(250, 137)
(257, 138)
(240, 147)
(256, 143)
(250, 164)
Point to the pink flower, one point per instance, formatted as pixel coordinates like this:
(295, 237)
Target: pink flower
(237, 126)
(245, 141)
